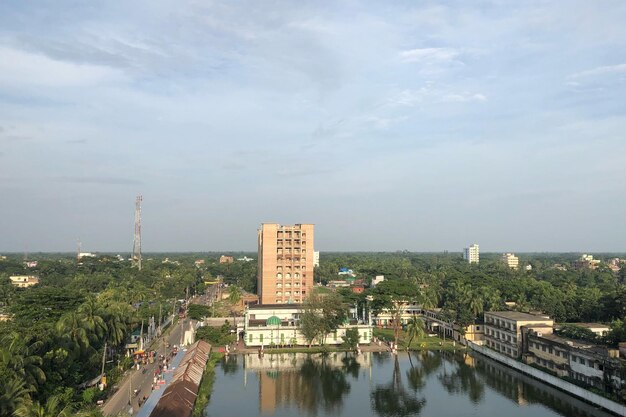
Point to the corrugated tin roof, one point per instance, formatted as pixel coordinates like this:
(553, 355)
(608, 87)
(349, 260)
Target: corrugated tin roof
(180, 395)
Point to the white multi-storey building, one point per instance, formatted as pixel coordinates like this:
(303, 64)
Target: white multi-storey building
(472, 254)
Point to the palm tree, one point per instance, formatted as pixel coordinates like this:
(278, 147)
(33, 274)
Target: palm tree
(52, 408)
(70, 327)
(12, 394)
(234, 296)
(415, 327)
(475, 303)
(19, 357)
(92, 321)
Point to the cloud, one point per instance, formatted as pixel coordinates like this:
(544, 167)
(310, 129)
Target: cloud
(429, 55)
(100, 180)
(603, 70)
(31, 69)
(431, 94)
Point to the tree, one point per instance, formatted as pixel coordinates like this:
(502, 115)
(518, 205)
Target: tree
(13, 392)
(393, 296)
(351, 338)
(52, 408)
(415, 327)
(322, 314)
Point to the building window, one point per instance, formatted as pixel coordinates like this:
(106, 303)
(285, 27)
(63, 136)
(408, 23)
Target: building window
(261, 338)
(250, 338)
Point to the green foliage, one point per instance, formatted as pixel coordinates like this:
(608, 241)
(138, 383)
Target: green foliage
(216, 336)
(322, 315)
(198, 311)
(351, 338)
(578, 332)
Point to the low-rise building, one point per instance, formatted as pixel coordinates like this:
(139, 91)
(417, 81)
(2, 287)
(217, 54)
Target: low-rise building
(226, 259)
(278, 325)
(594, 365)
(503, 330)
(598, 328)
(377, 280)
(316, 259)
(438, 321)
(24, 281)
(586, 262)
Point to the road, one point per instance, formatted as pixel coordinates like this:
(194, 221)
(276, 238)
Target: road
(138, 380)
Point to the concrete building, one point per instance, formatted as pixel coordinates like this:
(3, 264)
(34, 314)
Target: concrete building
(226, 259)
(285, 273)
(586, 262)
(437, 321)
(316, 259)
(593, 365)
(377, 280)
(510, 260)
(278, 325)
(24, 281)
(503, 330)
(472, 254)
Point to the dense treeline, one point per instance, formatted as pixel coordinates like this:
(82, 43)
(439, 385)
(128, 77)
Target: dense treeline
(465, 290)
(56, 336)
(57, 332)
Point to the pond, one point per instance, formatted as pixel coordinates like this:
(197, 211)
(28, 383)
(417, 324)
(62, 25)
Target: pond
(426, 384)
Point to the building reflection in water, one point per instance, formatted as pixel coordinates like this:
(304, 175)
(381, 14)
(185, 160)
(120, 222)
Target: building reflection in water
(310, 383)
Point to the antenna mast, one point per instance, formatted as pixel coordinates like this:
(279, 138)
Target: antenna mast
(137, 239)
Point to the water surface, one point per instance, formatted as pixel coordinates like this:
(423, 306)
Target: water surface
(426, 384)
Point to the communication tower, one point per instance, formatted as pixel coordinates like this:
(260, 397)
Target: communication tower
(137, 240)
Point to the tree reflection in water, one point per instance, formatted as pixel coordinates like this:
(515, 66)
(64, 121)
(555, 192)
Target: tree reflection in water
(321, 385)
(463, 380)
(392, 400)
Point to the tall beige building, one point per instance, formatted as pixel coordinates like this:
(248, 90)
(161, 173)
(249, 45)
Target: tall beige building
(510, 260)
(285, 272)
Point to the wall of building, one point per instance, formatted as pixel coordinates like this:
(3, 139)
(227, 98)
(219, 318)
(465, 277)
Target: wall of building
(575, 390)
(256, 336)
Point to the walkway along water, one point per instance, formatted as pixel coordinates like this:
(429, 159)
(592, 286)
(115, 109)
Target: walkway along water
(561, 384)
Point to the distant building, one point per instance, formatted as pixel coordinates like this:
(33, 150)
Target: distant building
(82, 255)
(586, 262)
(285, 271)
(528, 267)
(472, 254)
(615, 264)
(31, 264)
(316, 259)
(503, 330)
(245, 259)
(198, 263)
(24, 281)
(339, 283)
(377, 280)
(226, 259)
(510, 260)
(346, 271)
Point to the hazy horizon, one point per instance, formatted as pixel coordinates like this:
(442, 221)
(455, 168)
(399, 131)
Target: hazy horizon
(425, 127)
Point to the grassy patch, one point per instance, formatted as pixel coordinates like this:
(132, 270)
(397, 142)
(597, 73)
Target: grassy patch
(312, 349)
(206, 386)
(418, 343)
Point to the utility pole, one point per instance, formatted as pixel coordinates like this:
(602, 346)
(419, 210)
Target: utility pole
(137, 238)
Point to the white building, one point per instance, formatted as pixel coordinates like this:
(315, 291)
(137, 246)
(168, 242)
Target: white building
(316, 259)
(377, 280)
(472, 254)
(24, 281)
(510, 260)
(278, 325)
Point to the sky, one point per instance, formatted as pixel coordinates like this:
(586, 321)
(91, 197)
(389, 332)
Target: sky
(415, 125)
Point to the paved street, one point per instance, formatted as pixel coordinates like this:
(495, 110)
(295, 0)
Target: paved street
(138, 380)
